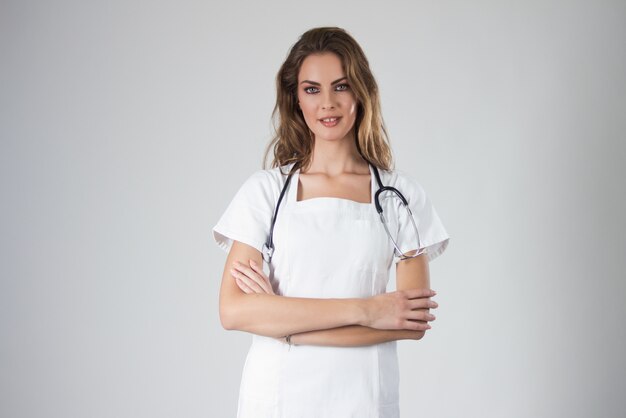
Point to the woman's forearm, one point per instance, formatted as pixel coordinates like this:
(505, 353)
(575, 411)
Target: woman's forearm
(353, 335)
(277, 316)
(247, 305)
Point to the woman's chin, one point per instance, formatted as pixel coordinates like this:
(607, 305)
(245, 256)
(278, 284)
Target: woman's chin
(331, 137)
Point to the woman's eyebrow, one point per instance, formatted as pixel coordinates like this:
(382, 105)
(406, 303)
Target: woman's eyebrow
(315, 83)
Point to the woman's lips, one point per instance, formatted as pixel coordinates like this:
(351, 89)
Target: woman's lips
(330, 124)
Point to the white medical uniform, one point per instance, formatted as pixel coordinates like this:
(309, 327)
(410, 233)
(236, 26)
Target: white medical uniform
(325, 247)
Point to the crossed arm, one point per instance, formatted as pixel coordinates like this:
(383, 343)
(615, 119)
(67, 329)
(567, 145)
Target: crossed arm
(249, 278)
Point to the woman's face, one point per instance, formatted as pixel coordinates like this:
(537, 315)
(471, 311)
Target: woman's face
(324, 92)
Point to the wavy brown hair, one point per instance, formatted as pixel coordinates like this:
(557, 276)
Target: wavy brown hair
(293, 140)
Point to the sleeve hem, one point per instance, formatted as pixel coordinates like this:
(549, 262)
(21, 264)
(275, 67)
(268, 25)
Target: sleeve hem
(224, 239)
(433, 250)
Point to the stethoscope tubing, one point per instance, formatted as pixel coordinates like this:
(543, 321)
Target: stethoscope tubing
(268, 246)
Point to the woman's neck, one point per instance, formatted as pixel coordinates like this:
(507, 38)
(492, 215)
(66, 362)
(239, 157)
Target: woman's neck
(337, 157)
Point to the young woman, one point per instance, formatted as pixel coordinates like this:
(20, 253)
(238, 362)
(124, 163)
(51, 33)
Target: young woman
(324, 328)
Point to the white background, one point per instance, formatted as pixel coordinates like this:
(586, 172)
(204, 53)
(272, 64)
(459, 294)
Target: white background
(126, 127)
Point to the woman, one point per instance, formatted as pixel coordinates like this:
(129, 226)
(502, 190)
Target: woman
(324, 328)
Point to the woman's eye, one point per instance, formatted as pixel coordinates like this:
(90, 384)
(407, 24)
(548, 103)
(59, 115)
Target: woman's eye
(340, 87)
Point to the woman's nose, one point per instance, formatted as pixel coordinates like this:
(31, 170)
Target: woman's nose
(327, 100)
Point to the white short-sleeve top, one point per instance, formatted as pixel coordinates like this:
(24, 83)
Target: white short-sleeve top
(326, 247)
(248, 216)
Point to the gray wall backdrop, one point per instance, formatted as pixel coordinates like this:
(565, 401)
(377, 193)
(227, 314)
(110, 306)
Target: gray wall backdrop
(127, 126)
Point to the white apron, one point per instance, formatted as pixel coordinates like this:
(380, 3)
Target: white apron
(324, 248)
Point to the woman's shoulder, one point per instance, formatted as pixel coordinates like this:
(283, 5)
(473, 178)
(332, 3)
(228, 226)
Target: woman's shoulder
(266, 183)
(269, 177)
(401, 180)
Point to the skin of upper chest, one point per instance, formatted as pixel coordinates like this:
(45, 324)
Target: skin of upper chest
(356, 187)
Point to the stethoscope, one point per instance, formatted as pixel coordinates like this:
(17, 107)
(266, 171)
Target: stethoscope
(268, 246)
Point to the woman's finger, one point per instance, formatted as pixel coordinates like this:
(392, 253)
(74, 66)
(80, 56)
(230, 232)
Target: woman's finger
(422, 315)
(253, 275)
(252, 284)
(243, 286)
(417, 325)
(234, 274)
(266, 280)
(424, 303)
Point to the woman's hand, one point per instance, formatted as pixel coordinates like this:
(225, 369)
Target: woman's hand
(402, 309)
(251, 279)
